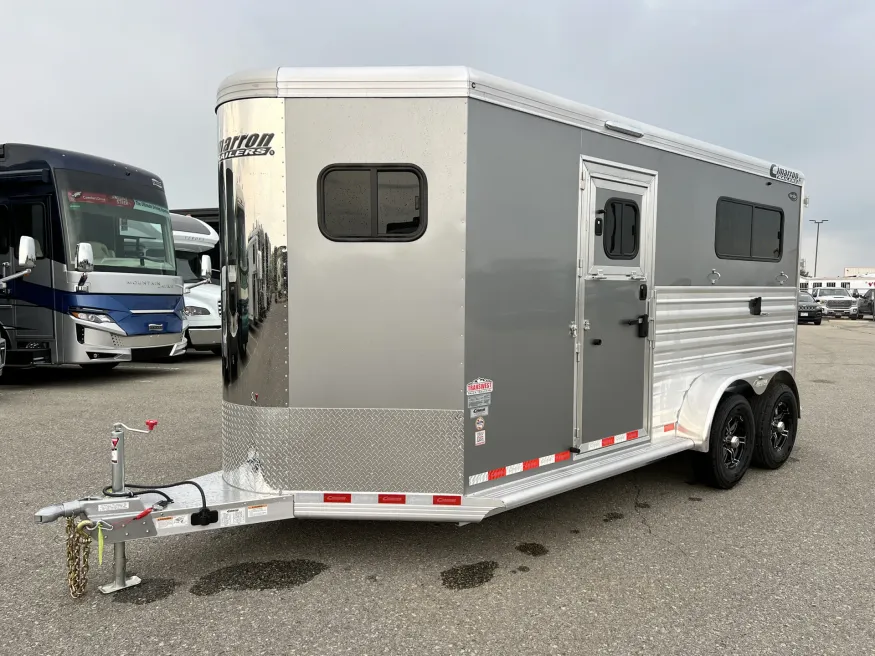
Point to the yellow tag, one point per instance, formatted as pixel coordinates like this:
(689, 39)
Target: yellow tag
(99, 545)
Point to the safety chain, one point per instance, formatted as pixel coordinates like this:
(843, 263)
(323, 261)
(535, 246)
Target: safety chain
(78, 548)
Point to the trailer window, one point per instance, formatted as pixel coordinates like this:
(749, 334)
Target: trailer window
(746, 231)
(372, 202)
(621, 229)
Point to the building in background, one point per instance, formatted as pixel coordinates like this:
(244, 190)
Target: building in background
(852, 272)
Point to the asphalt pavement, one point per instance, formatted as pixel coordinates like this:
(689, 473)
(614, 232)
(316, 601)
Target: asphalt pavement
(645, 563)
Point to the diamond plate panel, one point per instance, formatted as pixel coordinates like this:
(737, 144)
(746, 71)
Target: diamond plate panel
(350, 450)
(251, 436)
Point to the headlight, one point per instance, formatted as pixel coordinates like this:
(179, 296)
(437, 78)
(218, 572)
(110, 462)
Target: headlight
(92, 317)
(194, 310)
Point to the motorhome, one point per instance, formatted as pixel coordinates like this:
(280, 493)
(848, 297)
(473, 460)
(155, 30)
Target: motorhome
(489, 295)
(94, 296)
(192, 238)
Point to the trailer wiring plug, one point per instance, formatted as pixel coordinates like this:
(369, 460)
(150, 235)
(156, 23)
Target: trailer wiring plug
(203, 517)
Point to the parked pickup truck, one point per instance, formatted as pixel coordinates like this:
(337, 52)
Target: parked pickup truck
(836, 302)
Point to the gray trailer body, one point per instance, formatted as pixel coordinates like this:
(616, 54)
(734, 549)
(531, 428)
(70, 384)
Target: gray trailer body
(357, 385)
(481, 295)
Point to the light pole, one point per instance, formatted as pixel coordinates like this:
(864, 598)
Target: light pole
(817, 242)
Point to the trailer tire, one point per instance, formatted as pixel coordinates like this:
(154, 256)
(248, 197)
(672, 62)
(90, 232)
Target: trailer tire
(777, 419)
(730, 444)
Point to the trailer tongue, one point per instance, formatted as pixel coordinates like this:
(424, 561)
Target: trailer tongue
(445, 295)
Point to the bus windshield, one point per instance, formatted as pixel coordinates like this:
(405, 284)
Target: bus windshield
(127, 224)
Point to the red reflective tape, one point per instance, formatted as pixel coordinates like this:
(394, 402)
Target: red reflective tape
(446, 500)
(631, 435)
(608, 441)
(144, 513)
(392, 498)
(668, 427)
(330, 497)
(565, 455)
(531, 464)
(497, 473)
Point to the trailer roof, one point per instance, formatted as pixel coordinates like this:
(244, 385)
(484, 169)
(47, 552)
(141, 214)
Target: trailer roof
(460, 81)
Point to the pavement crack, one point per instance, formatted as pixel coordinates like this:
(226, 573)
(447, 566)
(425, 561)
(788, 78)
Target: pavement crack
(639, 506)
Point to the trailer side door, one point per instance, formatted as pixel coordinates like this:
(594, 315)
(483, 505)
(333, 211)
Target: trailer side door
(613, 349)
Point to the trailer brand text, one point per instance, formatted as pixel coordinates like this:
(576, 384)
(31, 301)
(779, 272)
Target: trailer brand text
(246, 145)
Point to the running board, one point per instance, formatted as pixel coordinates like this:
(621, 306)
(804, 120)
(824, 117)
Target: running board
(585, 471)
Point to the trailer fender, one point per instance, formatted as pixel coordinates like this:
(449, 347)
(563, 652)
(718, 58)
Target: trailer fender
(700, 402)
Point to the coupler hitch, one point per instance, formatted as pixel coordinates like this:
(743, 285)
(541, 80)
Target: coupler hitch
(117, 515)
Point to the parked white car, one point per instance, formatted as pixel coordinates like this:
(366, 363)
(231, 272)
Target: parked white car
(836, 302)
(191, 238)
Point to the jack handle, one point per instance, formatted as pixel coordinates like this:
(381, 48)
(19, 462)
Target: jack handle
(150, 426)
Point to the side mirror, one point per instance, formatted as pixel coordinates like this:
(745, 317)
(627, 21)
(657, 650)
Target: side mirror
(84, 257)
(26, 253)
(206, 267)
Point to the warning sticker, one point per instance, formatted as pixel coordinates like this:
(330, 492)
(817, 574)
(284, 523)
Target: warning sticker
(110, 507)
(171, 521)
(257, 511)
(480, 438)
(479, 386)
(480, 424)
(482, 411)
(479, 400)
(231, 517)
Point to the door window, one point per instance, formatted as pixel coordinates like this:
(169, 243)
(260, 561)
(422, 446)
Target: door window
(621, 229)
(29, 220)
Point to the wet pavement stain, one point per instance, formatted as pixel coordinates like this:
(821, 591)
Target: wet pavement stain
(695, 498)
(523, 568)
(372, 578)
(465, 577)
(823, 381)
(793, 459)
(613, 516)
(532, 549)
(642, 504)
(576, 531)
(150, 590)
(268, 575)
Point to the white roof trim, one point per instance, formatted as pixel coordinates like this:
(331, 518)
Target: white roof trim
(462, 82)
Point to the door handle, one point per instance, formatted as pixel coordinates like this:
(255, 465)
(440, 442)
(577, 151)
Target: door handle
(643, 323)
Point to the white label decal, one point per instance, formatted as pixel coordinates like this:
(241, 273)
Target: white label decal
(171, 521)
(479, 400)
(257, 511)
(479, 386)
(480, 438)
(482, 411)
(480, 424)
(113, 455)
(109, 507)
(231, 517)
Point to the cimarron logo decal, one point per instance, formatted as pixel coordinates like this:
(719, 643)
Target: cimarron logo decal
(246, 145)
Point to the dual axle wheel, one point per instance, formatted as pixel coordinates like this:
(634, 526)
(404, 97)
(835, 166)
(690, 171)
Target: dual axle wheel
(743, 433)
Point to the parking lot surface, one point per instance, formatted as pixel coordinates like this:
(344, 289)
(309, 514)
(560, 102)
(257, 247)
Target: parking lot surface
(646, 563)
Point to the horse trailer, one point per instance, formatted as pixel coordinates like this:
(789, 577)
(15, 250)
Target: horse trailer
(491, 295)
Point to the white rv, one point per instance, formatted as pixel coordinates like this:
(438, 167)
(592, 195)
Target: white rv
(488, 295)
(191, 239)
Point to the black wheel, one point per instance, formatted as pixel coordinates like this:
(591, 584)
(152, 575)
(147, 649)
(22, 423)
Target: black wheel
(854, 317)
(102, 366)
(730, 445)
(776, 413)
(817, 322)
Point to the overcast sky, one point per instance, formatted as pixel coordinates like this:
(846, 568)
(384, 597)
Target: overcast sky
(791, 81)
